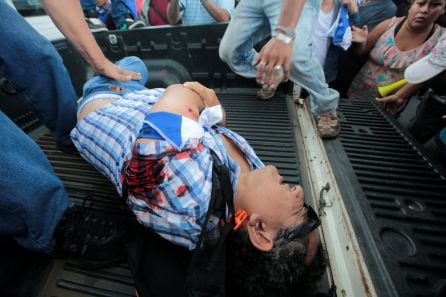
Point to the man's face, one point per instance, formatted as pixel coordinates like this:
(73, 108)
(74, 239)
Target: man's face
(280, 204)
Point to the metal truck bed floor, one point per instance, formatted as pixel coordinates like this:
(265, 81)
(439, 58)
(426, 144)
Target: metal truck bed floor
(266, 125)
(396, 201)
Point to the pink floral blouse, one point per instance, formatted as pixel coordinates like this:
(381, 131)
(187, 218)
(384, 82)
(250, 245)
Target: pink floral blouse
(386, 63)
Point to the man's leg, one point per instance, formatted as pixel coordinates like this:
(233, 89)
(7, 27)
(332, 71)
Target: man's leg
(35, 68)
(123, 13)
(248, 26)
(33, 199)
(102, 84)
(306, 70)
(88, 5)
(428, 119)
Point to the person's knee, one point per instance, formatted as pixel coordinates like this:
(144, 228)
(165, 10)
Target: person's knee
(224, 52)
(135, 64)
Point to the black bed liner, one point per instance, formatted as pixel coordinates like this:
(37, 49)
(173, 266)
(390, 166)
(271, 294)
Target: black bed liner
(396, 200)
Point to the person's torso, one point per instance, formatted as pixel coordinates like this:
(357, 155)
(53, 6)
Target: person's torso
(194, 13)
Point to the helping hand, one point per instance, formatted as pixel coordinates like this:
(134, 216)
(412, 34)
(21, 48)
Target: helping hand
(272, 56)
(359, 35)
(207, 95)
(392, 103)
(115, 72)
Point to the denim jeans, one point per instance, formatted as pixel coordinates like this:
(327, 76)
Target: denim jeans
(253, 21)
(37, 71)
(103, 85)
(32, 198)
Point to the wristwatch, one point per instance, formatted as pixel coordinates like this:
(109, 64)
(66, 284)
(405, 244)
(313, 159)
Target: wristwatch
(284, 38)
(287, 31)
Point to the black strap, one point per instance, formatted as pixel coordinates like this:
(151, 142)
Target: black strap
(206, 272)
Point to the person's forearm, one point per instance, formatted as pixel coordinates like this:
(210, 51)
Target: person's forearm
(219, 14)
(69, 18)
(353, 13)
(173, 12)
(408, 90)
(290, 13)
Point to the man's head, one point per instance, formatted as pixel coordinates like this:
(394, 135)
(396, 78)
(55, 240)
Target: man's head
(274, 208)
(282, 271)
(275, 249)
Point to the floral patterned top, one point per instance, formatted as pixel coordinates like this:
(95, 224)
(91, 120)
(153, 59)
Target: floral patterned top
(386, 63)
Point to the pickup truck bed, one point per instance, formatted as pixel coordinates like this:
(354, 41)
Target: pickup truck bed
(394, 197)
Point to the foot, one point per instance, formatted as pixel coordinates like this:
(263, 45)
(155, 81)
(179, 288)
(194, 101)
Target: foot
(131, 23)
(93, 22)
(266, 94)
(328, 125)
(95, 239)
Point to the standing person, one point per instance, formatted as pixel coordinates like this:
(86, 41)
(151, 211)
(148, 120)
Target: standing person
(198, 12)
(157, 12)
(122, 15)
(395, 44)
(372, 12)
(34, 204)
(285, 20)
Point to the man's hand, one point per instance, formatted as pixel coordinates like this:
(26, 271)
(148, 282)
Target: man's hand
(359, 35)
(272, 56)
(392, 103)
(113, 71)
(207, 95)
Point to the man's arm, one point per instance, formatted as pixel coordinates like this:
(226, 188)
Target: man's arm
(277, 52)
(218, 13)
(173, 12)
(69, 18)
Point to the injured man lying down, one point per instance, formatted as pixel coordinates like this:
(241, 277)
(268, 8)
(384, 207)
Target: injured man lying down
(162, 143)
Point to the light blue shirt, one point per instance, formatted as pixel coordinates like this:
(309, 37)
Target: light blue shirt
(194, 13)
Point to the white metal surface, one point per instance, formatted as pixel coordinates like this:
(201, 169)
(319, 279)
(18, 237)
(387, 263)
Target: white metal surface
(45, 26)
(348, 269)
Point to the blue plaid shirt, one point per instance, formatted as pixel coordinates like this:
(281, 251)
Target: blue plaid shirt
(176, 210)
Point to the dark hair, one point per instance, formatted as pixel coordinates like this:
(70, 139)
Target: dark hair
(280, 272)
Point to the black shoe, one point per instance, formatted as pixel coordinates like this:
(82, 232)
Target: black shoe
(96, 240)
(93, 22)
(131, 23)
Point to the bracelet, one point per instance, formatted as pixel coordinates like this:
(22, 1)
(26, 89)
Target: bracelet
(284, 38)
(287, 31)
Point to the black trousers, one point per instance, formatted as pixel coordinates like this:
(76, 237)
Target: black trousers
(428, 119)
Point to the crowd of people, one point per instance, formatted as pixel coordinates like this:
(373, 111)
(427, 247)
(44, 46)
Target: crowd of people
(162, 158)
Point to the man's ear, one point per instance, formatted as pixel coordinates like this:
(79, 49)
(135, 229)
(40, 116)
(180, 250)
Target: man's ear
(259, 237)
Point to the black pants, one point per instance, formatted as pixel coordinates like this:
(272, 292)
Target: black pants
(428, 119)
(159, 267)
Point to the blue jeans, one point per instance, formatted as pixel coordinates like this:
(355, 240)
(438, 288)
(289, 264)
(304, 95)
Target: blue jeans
(32, 198)
(37, 71)
(103, 85)
(119, 8)
(258, 18)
